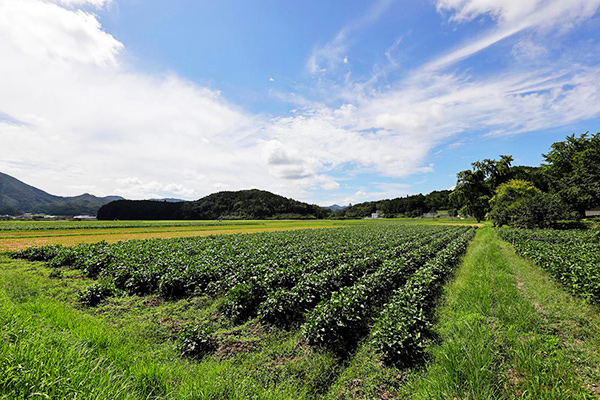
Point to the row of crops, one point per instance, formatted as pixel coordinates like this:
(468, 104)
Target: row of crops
(571, 256)
(338, 286)
(66, 225)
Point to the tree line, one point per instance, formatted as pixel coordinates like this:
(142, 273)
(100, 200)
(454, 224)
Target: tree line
(565, 185)
(409, 206)
(243, 204)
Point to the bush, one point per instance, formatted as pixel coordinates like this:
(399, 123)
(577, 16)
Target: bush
(520, 204)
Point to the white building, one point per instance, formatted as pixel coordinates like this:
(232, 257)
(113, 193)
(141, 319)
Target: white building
(594, 212)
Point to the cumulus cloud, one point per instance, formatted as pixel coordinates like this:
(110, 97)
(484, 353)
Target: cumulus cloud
(47, 33)
(72, 110)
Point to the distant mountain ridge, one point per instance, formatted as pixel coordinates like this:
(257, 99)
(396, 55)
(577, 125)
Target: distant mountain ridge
(17, 198)
(336, 207)
(243, 204)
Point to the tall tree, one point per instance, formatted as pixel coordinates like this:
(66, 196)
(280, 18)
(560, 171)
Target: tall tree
(475, 188)
(573, 169)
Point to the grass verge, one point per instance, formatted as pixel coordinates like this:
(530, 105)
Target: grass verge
(494, 343)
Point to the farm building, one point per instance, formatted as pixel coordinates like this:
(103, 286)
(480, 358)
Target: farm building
(594, 212)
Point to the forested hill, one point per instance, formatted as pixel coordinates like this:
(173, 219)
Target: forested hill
(243, 204)
(17, 198)
(410, 206)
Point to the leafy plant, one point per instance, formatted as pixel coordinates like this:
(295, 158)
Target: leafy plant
(195, 341)
(96, 293)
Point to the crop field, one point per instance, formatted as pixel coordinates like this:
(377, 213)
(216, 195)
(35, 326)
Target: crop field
(364, 310)
(17, 235)
(16, 225)
(269, 304)
(572, 257)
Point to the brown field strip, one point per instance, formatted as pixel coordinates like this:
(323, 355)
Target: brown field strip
(23, 239)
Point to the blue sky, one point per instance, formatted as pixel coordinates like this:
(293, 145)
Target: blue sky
(323, 101)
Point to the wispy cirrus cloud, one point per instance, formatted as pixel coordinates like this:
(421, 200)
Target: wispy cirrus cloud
(331, 54)
(511, 17)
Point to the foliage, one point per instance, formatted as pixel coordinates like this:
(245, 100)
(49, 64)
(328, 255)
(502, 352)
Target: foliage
(573, 169)
(336, 281)
(243, 204)
(195, 341)
(409, 206)
(402, 330)
(43, 253)
(474, 188)
(572, 257)
(340, 322)
(520, 204)
(96, 293)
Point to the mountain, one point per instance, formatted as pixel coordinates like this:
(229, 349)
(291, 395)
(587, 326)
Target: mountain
(336, 208)
(243, 204)
(17, 198)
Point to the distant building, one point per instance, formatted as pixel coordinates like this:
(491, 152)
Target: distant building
(374, 215)
(84, 217)
(594, 212)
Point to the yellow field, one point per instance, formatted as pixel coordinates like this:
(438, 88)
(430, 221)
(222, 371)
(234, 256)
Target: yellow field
(18, 240)
(11, 240)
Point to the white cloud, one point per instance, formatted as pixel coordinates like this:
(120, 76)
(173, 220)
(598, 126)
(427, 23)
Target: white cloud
(327, 182)
(512, 17)
(50, 34)
(527, 50)
(538, 12)
(71, 111)
(77, 3)
(74, 112)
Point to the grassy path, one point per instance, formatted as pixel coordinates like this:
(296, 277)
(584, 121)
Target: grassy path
(507, 331)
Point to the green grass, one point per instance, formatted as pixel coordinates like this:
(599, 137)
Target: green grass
(494, 344)
(51, 348)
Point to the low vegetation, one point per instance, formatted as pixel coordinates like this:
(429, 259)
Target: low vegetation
(572, 257)
(239, 283)
(360, 312)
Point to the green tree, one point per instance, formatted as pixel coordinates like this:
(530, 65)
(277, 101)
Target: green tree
(475, 188)
(520, 204)
(573, 170)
